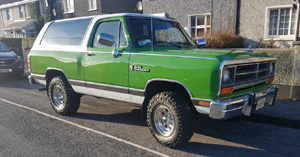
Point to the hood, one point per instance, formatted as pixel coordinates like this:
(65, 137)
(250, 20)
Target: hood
(219, 54)
(10, 54)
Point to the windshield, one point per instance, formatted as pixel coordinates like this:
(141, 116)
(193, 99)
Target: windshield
(165, 33)
(3, 47)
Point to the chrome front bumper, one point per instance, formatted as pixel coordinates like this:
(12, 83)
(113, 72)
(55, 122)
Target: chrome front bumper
(232, 108)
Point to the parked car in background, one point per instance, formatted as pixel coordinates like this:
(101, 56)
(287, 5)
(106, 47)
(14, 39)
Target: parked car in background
(10, 63)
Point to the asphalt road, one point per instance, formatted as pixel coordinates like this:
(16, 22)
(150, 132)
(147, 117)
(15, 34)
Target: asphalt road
(30, 127)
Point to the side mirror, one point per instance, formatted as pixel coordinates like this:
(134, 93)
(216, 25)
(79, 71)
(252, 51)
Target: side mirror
(108, 40)
(201, 43)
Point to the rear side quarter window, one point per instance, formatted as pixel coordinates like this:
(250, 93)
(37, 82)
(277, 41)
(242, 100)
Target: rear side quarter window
(66, 33)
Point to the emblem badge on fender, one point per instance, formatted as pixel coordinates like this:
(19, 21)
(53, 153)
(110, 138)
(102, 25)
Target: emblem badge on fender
(138, 68)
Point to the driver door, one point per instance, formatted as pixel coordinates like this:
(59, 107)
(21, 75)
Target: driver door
(105, 75)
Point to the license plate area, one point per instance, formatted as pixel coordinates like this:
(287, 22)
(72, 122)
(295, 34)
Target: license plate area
(5, 70)
(261, 103)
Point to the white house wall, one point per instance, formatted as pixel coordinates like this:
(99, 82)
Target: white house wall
(252, 20)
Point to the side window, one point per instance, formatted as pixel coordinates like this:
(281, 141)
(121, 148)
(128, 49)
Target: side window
(68, 33)
(114, 28)
(123, 41)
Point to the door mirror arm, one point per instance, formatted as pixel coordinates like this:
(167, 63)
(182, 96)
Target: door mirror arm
(108, 40)
(115, 52)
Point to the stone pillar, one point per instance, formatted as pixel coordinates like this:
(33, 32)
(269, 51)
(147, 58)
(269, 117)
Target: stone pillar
(295, 82)
(287, 71)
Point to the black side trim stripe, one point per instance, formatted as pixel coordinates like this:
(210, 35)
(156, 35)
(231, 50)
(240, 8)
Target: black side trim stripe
(136, 92)
(76, 83)
(108, 88)
(38, 77)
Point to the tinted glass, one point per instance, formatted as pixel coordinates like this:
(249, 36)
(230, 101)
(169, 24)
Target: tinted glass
(3, 47)
(69, 33)
(111, 28)
(164, 32)
(140, 29)
(114, 28)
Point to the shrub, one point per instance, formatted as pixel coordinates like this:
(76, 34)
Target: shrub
(27, 43)
(266, 43)
(223, 40)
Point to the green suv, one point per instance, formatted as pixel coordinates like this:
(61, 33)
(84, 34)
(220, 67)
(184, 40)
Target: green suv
(150, 61)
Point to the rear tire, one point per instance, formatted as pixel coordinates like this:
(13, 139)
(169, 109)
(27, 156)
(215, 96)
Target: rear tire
(62, 97)
(170, 119)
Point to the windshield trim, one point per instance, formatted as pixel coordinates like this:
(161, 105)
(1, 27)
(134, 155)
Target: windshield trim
(184, 33)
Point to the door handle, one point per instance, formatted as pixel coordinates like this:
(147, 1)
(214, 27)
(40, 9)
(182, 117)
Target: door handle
(90, 54)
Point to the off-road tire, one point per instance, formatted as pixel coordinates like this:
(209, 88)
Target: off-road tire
(183, 117)
(71, 100)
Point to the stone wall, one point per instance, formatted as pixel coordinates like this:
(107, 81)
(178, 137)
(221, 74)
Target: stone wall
(287, 71)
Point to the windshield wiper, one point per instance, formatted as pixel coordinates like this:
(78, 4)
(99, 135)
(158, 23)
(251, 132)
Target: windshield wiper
(168, 43)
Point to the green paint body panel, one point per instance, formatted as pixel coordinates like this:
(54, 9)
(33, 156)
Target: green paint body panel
(197, 69)
(71, 63)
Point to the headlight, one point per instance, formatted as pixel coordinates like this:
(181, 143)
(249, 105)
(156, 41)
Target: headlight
(226, 75)
(18, 59)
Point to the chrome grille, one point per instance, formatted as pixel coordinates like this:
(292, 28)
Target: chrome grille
(4, 62)
(249, 73)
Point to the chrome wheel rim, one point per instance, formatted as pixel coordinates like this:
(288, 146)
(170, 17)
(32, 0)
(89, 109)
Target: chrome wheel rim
(58, 97)
(164, 120)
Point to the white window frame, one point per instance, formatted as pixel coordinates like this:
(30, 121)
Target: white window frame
(21, 10)
(267, 21)
(92, 5)
(42, 7)
(201, 26)
(10, 15)
(27, 16)
(68, 6)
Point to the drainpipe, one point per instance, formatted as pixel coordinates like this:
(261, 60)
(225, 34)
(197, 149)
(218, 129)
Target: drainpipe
(297, 21)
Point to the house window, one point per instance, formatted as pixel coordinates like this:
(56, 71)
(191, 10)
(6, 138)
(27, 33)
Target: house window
(281, 23)
(26, 12)
(200, 25)
(21, 12)
(42, 7)
(68, 6)
(8, 14)
(92, 5)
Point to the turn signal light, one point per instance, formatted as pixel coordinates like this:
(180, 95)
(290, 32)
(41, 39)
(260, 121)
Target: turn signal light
(226, 90)
(271, 79)
(204, 103)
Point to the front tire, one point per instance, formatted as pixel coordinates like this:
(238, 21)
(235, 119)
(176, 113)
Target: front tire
(62, 97)
(170, 119)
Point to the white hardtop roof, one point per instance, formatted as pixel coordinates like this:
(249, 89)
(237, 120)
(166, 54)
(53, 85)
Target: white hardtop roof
(98, 17)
